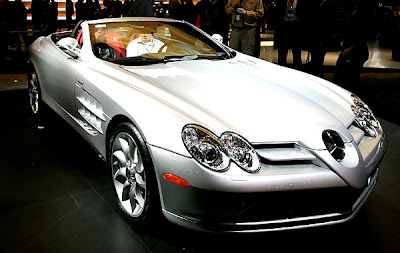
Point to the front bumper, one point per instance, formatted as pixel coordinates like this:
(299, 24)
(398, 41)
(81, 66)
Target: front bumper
(288, 197)
(306, 209)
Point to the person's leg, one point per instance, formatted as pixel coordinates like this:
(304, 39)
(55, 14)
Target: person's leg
(235, 40)
(296, 58)
(282, 55)
(248, 39)
(317, 61)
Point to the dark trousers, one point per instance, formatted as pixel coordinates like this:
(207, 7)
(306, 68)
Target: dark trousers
(244, 39)
(348, 70)
(282, 56)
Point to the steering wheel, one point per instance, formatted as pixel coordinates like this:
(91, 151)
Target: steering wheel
(104, 51)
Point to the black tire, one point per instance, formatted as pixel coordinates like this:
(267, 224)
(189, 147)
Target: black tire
(133, 174)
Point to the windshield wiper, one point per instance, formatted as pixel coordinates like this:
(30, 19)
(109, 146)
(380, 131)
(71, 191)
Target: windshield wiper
(170, 58)
(135, 61)
(140, 60)
(193, 57)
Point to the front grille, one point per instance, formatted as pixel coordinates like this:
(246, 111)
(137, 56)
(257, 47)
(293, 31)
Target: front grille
(295, 204)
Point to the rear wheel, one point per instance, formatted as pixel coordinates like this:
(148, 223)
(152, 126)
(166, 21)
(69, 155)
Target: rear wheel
(133, 174)
(37, 107)
(34, 92)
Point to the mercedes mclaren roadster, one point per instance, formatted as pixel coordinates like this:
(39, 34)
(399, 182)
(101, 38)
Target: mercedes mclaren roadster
(213, 139)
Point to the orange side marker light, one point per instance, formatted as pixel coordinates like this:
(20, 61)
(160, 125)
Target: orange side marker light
(176, 180)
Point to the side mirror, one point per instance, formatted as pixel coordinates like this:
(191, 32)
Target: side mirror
(70, 46)
(218, 38)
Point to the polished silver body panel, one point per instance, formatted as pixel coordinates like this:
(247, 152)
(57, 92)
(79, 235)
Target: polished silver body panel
(281, 112)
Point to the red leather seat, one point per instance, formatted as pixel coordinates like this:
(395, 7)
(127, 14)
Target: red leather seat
(114, 40)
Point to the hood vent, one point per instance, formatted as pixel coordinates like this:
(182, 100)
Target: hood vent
(284, 154)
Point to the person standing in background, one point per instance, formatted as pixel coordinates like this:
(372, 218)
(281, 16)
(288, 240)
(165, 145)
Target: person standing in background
(288, 32)
(318, 18)
(69, 11)
(351, 60)
(53, 24)
(187, 11)
(245, 17)
(173, 9)
(141, 8)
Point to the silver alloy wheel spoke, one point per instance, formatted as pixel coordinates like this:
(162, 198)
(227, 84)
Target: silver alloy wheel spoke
(119, 188)
(140, 181)
(126, 191)
(132, 199)
(124, 147)
(139, 197)
(120, 175)
(33, 94)
(120, 157)
(136, 155)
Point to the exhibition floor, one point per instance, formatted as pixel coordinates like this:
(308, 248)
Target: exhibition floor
(56, 193)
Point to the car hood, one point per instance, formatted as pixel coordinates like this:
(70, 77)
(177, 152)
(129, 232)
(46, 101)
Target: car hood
(261, 101)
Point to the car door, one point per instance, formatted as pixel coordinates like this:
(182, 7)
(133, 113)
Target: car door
(61, 78)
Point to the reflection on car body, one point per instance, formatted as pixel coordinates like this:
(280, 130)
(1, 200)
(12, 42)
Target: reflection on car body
(214, 139)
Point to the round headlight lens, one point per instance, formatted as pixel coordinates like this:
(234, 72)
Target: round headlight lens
(205, 147)
(241, 152)
(216, 153)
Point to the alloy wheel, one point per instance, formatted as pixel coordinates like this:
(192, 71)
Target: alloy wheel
(129, 175)
(33, 93)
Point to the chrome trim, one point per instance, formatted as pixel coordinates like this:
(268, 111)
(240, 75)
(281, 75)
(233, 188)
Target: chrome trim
(285, 154)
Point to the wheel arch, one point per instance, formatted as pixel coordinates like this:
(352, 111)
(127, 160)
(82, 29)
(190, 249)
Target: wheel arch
(112, 126)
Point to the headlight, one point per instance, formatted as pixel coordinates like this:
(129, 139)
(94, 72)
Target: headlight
(216, 153)
(364, 116)
(205, 147)
(241, 152)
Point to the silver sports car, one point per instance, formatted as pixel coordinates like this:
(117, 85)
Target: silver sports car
(214, 139)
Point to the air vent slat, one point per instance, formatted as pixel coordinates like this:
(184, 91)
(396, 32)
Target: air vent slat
(285, 154)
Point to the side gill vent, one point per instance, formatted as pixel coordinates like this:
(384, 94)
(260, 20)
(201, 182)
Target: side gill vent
(90, 110)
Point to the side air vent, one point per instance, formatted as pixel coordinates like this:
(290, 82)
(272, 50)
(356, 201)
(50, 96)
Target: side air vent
(90, 110)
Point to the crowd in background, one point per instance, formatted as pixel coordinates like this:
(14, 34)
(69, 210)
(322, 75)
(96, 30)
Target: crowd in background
(312, 28)
(206, 13)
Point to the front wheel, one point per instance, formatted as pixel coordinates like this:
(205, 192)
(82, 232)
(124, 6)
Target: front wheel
(34, 92)
(132, 174)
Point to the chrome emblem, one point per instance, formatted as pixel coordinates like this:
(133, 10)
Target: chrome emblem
(334, 144)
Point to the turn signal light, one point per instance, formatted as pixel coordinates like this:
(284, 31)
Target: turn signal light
(176, 180)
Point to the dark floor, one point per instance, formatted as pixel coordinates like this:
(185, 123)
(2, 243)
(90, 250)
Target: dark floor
(56, 194)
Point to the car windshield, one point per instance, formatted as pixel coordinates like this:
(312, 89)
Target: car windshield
(147, 42)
